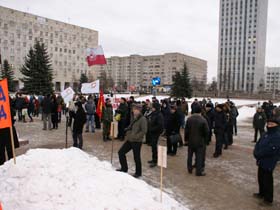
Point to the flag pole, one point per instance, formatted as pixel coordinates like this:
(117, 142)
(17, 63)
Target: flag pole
(13, 144)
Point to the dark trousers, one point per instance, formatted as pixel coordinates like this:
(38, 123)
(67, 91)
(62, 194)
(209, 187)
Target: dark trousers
(106, 128)
(209, 136)
(121, 127)
(261, 131)
(154, 144)
(136, 148)
(19, 114)
(200, 153)
(5, 145)
(171, 148)
(219, 142)
(229, 137)
(55, 120)
(78, 140)
(97, 121)
(30, 113)
(265, 180)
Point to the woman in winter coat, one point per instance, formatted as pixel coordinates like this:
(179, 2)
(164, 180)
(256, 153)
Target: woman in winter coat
(78, 125)
(173, 128)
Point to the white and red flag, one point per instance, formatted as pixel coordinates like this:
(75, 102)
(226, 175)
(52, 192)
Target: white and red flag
(95, 56)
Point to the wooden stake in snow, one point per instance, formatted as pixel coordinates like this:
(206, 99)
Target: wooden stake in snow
(162, 162)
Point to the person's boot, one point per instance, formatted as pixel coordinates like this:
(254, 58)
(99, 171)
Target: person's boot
(104, 138)
(108, 138)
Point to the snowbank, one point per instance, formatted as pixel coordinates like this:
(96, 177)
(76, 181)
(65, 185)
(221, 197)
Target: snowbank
(70, 179)
(246, 113)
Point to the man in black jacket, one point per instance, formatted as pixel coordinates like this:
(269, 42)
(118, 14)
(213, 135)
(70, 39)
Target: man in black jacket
(196, 134)
(46, 108)
(219, 130)
(155, 128)
(259, 122)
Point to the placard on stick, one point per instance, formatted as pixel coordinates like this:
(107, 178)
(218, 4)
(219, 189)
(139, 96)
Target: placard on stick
(5, 112)
(162, 156)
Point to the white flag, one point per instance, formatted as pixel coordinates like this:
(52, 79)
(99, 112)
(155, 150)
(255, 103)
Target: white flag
(92, 87)
(67, 94)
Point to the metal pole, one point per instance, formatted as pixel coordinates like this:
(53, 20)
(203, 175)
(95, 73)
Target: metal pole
(66, 138)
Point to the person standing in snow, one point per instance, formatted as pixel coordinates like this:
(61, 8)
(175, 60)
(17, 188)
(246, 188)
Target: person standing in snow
(107, 118)
(90, 110)
(267, 153)
(79, 121)
(133, 140)
(234, 113)
(219, 129)
(196, 134)
(155, 128)
(259, 122)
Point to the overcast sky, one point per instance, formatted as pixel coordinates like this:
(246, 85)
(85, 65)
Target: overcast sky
(148, 27)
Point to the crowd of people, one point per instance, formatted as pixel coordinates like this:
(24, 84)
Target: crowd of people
(149, 121)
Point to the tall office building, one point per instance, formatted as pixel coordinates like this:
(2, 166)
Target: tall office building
(242, 44)
(272, 79)
(66, 45)
(137, 71)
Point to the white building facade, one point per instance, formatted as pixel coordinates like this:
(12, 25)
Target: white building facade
(272, 79)
(138, 71)
(66, 45)
(242, 44)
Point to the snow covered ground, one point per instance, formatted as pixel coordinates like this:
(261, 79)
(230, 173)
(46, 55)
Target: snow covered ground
(70, 179)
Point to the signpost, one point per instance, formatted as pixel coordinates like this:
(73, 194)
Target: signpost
(162, 162)
(5, 112)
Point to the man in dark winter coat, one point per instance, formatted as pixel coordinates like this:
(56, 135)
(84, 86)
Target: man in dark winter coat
(259, 122)
(196, 134)
(210, 114)
(133, 141)
(107, 118)
(267, 153)
(173, 128)
(90, 110)
(219, 130)
(47, 109)
(79, 121)
(155, 128)
(194, 105)
(123, 111)
(234, 113)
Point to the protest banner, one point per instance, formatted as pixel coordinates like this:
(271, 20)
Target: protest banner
(89, 88)
(67, 94)
(5, 112)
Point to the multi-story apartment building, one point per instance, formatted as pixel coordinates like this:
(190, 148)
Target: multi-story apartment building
(272, 79)
(66, 44)
(138, 71)
(242, 44)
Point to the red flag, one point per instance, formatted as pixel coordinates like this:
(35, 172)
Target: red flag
(100, 104)
(95, 56)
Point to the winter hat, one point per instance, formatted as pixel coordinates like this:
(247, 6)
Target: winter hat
(274, 119)
(137, 106)
(221, 106)
(197, 109)
(173, 106)
(156, 106)
(209, 105)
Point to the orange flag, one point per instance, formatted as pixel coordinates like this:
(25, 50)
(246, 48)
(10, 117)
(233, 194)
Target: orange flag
(5, 113)
(100, 104)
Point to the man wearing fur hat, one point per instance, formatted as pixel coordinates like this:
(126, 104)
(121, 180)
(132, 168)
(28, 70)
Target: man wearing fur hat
(133, 140)
(267, 153)
(155, 128)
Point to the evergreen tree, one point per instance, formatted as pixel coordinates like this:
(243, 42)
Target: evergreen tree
(37, 71)
(181, 84)
(7, 72)
(83, 79)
